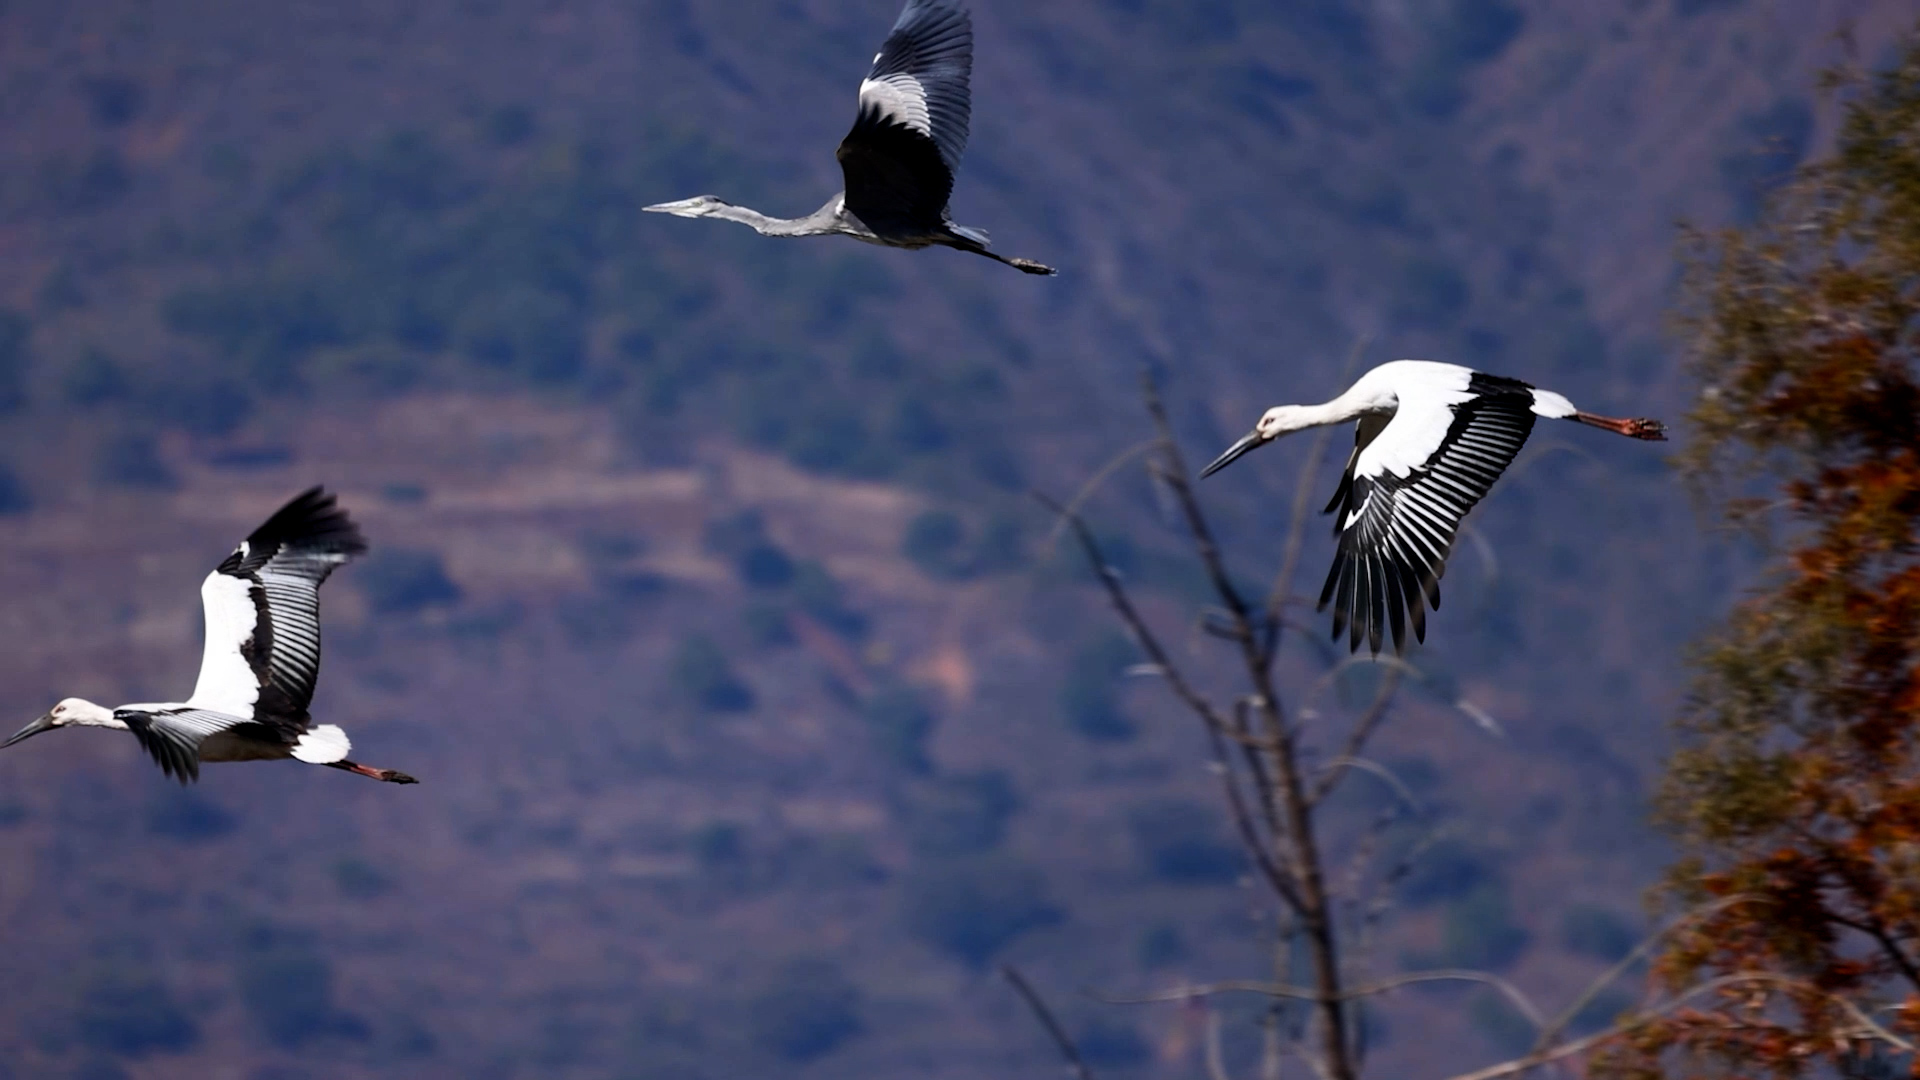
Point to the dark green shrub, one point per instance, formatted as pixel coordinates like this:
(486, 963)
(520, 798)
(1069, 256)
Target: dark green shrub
(1107, 1043)
(1160, 946)
(1478, 931)
(509, 125)
(530, 332)
(1503, 1026)
(125, 1011)
(1599, 932)
(15, 499)
(901, 721)
(83, 186)
(718, 846)
(932, 543)
(765, 566)
(286, 987)
(972, 908)
(960, 815)
(823, 599)
(804, 1010)
(404, 581)
(1607, 1007)
(358, 879)
(768, 626)
(112, 100)
(188, 817)
(1448, 870)
(702, 675)
(15, 331)
(1184, 843)
(1432, 295)
(1090, 696)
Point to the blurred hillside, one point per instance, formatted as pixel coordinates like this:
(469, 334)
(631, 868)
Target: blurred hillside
(757, 718)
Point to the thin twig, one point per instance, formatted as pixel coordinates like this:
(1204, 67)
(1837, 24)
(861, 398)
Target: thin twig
(1363, 730)
(1076, 1065)
(1218, 731)
(1868, 1027)
(1307, 993)
(1094, 483)
(1310, 902)
(1216, 1063)
(1553, 1028)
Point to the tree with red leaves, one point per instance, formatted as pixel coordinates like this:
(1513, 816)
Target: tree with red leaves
(1796, 795)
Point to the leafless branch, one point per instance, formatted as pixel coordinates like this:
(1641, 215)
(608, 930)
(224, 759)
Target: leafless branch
(1307, 993)
(1363, 730)
(1867, 1027)
(1216, 1063)
(1219, 733)
(1551, 1031)
(1094, 484)
(1076, 1065)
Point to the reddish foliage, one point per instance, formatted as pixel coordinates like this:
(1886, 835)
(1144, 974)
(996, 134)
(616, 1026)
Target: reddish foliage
(1797, 795)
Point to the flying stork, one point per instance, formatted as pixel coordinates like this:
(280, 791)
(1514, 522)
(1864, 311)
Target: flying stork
(261, 657)
(1430, 441)
(900, 158)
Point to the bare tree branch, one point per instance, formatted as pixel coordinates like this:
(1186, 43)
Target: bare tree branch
(1867, 1028)
(1306, 993)
(1216, 1063)
(1076, 1065)
(1310, 901)
(1218, 731)
(1552, 1030)
(1094, 484)
(1363, 730)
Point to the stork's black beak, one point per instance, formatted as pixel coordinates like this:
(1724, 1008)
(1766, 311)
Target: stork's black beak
(1234, 453)
(45, 723)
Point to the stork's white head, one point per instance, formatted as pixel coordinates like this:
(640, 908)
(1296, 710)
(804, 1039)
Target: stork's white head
(70, 712)
(1275, 422)
(698, 206)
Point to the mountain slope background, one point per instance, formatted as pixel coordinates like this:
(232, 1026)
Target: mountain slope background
(757, 713)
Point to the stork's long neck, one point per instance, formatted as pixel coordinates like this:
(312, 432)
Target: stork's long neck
(87, 714)
(821, 221)
(1352, 405)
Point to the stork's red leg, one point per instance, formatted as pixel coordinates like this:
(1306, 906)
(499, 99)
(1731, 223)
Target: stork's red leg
(391, 776)
(1635, 428)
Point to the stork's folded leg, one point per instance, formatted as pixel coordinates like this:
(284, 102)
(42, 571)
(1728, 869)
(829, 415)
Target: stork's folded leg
(391, 776)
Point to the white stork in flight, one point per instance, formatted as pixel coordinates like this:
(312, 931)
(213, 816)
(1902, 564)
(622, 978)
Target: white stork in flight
(261, 658)
(1430, 441)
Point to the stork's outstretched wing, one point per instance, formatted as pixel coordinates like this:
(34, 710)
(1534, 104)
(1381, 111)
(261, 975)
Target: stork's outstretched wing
(172, 737)
(1395, 531)
(263, 612)
(901, 156)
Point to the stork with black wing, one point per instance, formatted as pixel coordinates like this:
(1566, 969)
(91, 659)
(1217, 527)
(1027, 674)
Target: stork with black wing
(900, 158)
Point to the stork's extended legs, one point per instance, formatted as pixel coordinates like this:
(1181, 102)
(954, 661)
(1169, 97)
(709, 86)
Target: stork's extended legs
(1636, 428)
(391, 776)
(1026, 266)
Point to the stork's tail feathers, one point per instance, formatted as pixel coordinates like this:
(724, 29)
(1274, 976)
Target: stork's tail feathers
(1635, 428)
(324, 744)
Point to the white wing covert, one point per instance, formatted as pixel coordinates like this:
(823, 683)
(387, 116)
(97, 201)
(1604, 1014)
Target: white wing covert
(262, 653)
